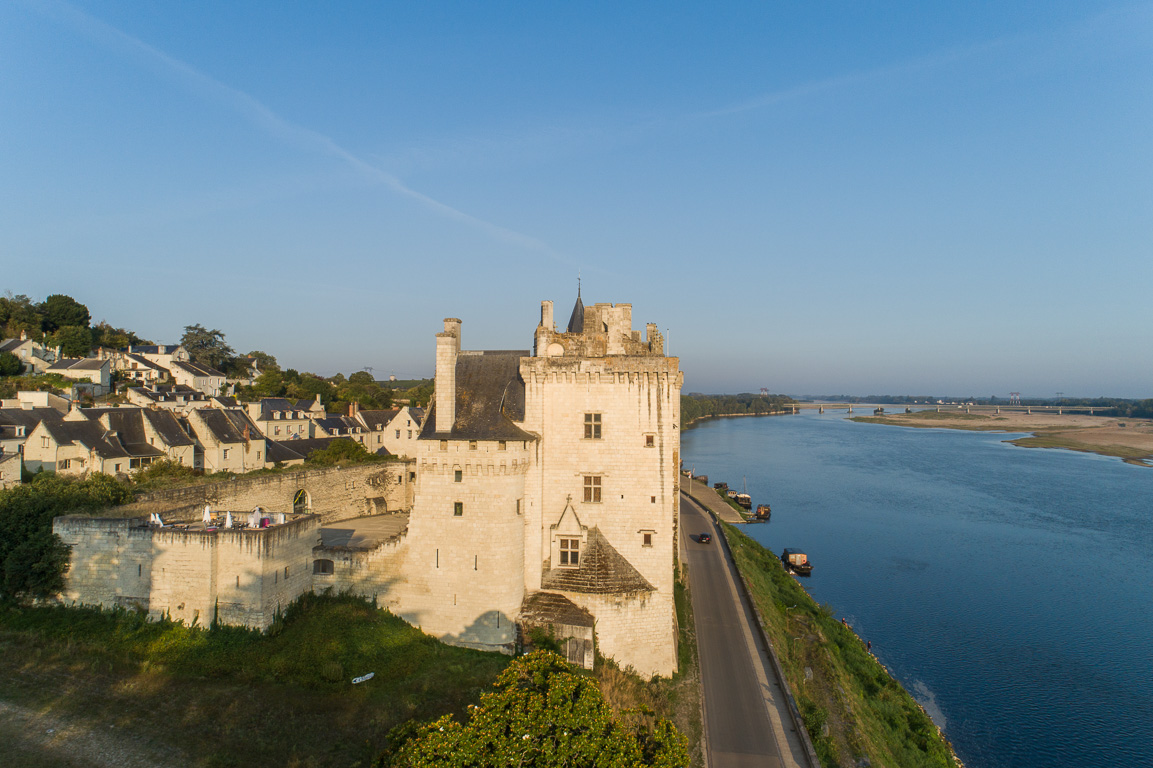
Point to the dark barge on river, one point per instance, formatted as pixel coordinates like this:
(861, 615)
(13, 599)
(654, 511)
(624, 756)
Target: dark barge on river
(797, 561)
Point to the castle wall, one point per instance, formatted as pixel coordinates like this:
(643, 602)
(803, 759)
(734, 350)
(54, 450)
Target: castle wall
(333, 493)
(241, 577)
(465, 573)
(111, 561)
(637, 631)
(374, 574)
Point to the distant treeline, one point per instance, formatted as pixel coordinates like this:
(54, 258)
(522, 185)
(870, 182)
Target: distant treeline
(1137, 409)
(695, 405)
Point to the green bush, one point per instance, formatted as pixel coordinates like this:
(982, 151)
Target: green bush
(542, 713)
(32, 558)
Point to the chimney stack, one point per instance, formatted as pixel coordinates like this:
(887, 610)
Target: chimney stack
(447, 348)
(546, 320)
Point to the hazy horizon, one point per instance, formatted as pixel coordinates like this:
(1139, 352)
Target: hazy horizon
(837, 198)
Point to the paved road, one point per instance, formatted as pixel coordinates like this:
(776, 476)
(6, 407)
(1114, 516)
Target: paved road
(746, 717)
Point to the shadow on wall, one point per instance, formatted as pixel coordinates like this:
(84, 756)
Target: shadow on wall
(491, 631)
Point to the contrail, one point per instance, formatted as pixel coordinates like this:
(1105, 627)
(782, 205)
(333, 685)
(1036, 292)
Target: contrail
(275, 125)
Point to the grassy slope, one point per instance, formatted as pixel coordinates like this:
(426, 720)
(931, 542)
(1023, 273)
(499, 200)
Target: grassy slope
(234, 697)
(866, 712)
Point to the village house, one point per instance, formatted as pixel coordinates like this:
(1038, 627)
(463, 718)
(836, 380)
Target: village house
(136, 370)
(179, 398)
(229, 439)
(282, 419)
(35, 357)
(202, 378)
(109, 440)
(161, 354)
(394, 430)
(97, 372)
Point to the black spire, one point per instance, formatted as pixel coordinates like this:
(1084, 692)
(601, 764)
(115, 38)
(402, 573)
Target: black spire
(576, 323)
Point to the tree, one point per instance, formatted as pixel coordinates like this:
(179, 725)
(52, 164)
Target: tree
(73, 341)
(361, 377)
(264, 361)
(342, 452)
(543, 713)
(10, 365)
(18, 313)
(59, 311)
(206, 347)
(32, 558)
(104, 335)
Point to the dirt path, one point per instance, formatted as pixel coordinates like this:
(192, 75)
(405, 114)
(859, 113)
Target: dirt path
(31, 739)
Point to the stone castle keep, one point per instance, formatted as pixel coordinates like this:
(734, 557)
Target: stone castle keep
(543, 492)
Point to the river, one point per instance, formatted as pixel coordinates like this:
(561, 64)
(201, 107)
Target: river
(1009, 589)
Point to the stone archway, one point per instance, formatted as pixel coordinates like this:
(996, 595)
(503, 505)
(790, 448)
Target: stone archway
(301, 502)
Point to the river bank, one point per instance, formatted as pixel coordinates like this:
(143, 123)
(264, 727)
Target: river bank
(853, 709)
(1123, 438)
(714, 416)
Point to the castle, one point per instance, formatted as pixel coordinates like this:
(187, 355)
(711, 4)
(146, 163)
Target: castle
(545, 495)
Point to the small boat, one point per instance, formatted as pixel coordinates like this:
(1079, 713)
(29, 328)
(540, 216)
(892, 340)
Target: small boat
(744, 500)
(763, 512)
(720, 486)
(797, 561)
(878, 411)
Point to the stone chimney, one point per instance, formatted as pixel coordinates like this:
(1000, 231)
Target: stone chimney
(546, 319)
(353, 409)
(75, 414)
(447, 348)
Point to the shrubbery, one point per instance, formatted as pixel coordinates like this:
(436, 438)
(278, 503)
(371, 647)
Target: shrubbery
(32, 557)
(542, 713)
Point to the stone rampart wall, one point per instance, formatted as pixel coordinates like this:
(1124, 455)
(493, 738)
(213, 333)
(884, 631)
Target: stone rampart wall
(240, 577)
(334, 494)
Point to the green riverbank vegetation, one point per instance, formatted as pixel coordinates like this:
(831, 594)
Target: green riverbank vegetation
(851, 707)
(695, 406)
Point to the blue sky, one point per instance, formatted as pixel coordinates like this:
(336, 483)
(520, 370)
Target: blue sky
(810, 197)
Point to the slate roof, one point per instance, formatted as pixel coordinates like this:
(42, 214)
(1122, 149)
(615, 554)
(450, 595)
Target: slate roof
(169, 393)
(602, 571)
(489, 398)
(227, 424)
(268, 405)
(307, 445)
(93, 435)
(154, 349)
(27, 417)
(143, 361)
(339, 425)
(10, 344)
(551, 608)
(167, 426)
(196, 369)
(576, 321)
(278, 451)
(373, 419)
(78, 364)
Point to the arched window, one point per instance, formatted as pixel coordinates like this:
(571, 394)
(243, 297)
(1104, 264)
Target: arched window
(322, 567)
(301, 502)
